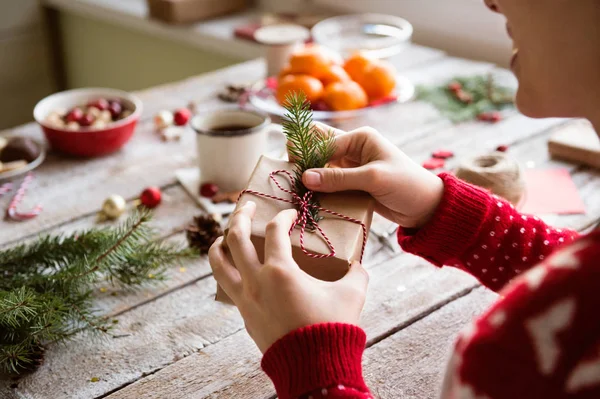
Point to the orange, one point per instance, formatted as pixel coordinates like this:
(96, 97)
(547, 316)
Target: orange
(312, 87)
(310, 61)
(379, 80)
(287, 70)
(335, 74)
(357, 65)
(345, 96)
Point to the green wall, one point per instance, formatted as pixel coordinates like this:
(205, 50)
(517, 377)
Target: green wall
(105, 55)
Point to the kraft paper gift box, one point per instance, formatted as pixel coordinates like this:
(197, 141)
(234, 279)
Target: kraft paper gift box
(345, 236)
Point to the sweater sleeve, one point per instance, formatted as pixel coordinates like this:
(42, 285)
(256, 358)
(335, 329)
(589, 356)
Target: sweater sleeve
(482, 234)
(541, 339)
(318, 361)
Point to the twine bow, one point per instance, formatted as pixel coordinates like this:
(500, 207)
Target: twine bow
(304, 215)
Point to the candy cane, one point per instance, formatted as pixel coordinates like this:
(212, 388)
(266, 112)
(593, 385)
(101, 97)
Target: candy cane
(5, 188)
(12, 207)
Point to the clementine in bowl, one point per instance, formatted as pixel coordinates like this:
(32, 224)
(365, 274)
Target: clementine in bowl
(345, 96)
(357, 65)
(310, 86)
(335, 74)
(310, 61)
(379, 80)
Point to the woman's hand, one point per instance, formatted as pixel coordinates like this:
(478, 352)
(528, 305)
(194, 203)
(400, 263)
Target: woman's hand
(406, 193)
(277, 297)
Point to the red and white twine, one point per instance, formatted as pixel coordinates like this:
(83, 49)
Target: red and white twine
(304, 215)
(12, 207)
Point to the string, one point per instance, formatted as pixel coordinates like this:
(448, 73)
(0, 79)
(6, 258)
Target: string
(304, 215)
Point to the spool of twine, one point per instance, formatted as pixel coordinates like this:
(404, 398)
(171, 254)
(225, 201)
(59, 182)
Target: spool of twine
(496, 172)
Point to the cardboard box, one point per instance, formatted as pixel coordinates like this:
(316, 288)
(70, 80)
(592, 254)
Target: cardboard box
(187, 11)
(345, 236)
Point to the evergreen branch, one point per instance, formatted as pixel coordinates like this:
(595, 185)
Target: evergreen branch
(46, 286)
(309, 148)
(486, 96)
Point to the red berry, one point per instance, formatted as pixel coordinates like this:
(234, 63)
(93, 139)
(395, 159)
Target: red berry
(455, 86)
(502, 148)
(434, 163)
(75, 115)
(442, 154)
(182, 116)
(209, 190)
(115, 109)
(151, 197)
(319, 106)
(87, 120)
(495, 117)
(101, 103)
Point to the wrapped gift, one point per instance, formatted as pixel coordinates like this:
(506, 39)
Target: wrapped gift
(345, 219)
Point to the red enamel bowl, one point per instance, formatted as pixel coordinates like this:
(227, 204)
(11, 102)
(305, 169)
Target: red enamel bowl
(88, 141)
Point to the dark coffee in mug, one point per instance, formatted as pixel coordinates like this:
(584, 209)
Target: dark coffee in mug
(231, 128)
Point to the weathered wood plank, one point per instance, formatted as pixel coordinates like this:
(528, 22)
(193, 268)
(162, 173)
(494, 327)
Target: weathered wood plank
(401, 290)
(419, 353)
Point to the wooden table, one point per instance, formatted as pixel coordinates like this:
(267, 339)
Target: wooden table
(175, 341)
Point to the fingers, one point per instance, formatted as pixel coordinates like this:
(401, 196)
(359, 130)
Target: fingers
(224, 272)
(278, 246)
(357, 277)
(238, 239)
(330, 180)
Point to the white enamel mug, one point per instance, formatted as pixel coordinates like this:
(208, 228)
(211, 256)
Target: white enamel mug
(230, 143)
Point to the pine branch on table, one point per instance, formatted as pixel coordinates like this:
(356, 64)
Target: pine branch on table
(46, 287)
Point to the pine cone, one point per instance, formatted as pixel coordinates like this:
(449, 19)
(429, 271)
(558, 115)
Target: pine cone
(203, 232)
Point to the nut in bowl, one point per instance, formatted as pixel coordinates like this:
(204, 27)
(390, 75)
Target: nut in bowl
(88, 122)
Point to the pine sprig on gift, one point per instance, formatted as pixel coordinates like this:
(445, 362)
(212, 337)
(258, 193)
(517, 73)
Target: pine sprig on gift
(46, 286)
(308, 147)
(483, 93)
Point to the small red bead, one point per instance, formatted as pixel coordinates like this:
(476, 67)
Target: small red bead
(75, 115)
(502, 148)
(115, 109)
(455, 86)
(151, 197)
(442, 154)
(182, 116)
(87, 120)
(434, 163)
(101, 103)
(495, 117)
(209, 190)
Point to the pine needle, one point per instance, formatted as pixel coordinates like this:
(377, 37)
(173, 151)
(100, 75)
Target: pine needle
(308, 147)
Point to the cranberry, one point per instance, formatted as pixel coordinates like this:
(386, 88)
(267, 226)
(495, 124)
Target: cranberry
(455, 86)
(87, 120)
(101, 103)
(151, 197)
(434, 163)
(115, 109)
(182, 116)
(502, 148)
(442, 154)
(74, 115)
(209, 190)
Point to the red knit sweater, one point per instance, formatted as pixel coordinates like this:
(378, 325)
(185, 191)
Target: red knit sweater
(541, 339)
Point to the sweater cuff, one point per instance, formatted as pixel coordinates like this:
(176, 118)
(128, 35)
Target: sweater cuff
(315, 357)
(454, 227)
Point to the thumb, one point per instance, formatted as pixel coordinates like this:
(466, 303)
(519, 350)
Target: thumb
(356, 277)
(330, 180)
